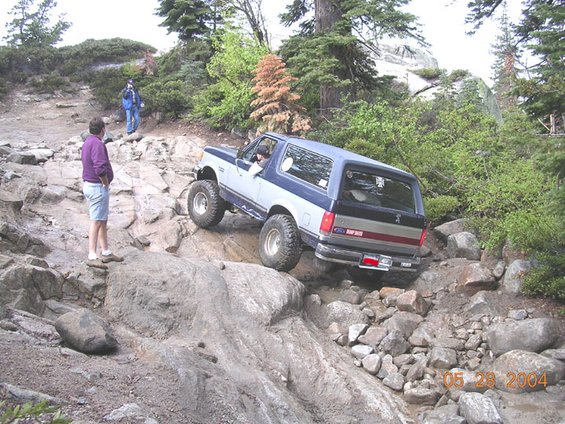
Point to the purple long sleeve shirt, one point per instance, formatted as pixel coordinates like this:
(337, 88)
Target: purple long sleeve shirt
(95, 160)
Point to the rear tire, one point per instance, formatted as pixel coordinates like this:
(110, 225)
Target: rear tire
(363, 275)
(279, 243)
(205, 206)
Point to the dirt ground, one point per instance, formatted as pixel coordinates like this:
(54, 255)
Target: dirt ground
(114, 380)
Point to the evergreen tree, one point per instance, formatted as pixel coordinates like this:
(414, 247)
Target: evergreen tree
(277, 107)
(541, 31)
(30, 28)
(191, 19)
(334, 47)
(505, 69)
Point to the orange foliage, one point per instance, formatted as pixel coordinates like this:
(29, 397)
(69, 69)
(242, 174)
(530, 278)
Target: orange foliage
(276, 105)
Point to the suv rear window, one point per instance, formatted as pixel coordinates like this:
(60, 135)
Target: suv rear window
(307, 165)
(377, 190)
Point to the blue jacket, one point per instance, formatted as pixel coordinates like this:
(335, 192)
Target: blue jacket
(131, 98)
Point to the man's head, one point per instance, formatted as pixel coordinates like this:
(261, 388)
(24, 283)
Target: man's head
(96, 126)
(263, 151)
(130, 83)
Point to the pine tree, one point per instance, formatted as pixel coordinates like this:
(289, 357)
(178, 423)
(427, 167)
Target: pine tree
(30, 28)
(505, 69)
(333, 51)
(276, 104)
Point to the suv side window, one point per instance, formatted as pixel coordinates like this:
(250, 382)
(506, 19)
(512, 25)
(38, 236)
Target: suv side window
(249, 153)
(307, 165)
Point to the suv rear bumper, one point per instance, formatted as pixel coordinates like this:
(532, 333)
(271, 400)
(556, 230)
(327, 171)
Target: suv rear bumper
(352, 257)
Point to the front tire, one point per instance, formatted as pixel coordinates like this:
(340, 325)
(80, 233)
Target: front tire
(205, 206)
(279, 243)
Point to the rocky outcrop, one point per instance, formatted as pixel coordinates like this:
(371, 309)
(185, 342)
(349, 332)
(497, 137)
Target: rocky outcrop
(202, 329)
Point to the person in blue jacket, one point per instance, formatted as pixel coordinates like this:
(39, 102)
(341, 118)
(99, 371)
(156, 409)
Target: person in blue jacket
(131, 102)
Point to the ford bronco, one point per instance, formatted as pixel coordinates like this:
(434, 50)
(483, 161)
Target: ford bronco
(349, 209)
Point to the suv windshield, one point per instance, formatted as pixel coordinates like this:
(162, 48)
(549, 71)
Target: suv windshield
(377, 190)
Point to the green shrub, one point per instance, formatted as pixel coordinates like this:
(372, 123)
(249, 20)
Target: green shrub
(547, 277)
(428, 73)
(439, 207)
(39, 412)
(227, 102)
(90, 55)
(169, 98)
(49, 83)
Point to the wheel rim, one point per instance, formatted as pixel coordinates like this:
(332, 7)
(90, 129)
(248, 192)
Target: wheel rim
(273, 242)
(200, 203)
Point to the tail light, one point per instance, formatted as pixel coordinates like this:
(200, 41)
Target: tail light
(327, 223)
(422, 237)
(370, 261)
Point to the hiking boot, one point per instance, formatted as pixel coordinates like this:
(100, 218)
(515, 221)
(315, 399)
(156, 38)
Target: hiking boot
(111, 258)
(96, 263)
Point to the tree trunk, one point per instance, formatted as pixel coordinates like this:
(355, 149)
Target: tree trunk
(327, 14)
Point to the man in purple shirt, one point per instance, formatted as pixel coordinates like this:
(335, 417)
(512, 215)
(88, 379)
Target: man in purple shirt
(97, 175)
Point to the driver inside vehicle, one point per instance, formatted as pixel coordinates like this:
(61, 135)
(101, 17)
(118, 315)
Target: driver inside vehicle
(263, 155)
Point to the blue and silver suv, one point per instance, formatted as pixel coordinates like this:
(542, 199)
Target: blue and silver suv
(349, 209)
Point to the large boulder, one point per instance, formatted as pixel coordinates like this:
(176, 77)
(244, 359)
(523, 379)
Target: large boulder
(463, 245)
(250, 320)
(532, 335)
(86, 332)
(519, 371)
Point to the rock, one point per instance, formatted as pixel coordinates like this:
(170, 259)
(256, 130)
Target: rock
(412, 301)
(405, 322)
(86, 332)
(345, 313)
(41, 154)
(519, 371)
(498, 270)
(26, 287)
(478, 409)
(476, 277)
(441, 357)
(532, 335)
(350, 296)
(394, 381)
(24, 158)
(558, 354)
(355, 331)
(416, 371)
(26, 395)
(449, 342)
(387, 367)
(390, 291)
(447, 229)
(481, 303)
(421, 396)
(372, 363)
(518, 314)
(463, 245)
(444, 414)
(394, 343)
(514, 276)
(360, 351)
(421, 336)
(373, 336)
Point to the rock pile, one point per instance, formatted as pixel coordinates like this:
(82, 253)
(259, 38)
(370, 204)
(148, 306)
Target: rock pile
(456, 362)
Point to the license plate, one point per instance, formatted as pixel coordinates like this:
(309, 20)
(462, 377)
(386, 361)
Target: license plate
(406, 265)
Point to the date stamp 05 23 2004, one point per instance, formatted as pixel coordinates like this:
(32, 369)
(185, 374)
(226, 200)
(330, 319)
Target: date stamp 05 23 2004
(486, 380)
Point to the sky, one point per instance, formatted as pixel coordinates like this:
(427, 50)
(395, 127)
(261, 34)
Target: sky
(442, 25)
